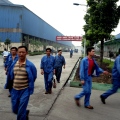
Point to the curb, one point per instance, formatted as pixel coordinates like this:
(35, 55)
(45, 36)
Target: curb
(102, 86)
(95, 86)
(75, 84)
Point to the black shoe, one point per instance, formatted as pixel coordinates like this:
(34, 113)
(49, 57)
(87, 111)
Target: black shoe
(9, 95)
(58, 81)
(77, 102)
(46, 92)
(50, 91)
(27, 114)
(102, 99)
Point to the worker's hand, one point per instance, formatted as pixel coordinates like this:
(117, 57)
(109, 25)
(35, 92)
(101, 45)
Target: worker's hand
(64, 67)
(54, 71)
(106, 72)
(42, 72)
(5, 72)
(82, 82)
(5, 69)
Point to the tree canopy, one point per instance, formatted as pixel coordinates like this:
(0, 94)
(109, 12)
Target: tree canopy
(7, 42)
(101, 19)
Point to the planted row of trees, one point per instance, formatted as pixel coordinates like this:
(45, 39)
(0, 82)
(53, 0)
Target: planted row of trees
(101, 19)
(34, 43)
(7, 43)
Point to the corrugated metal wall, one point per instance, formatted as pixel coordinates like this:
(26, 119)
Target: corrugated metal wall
(15, 20)
(10, 23)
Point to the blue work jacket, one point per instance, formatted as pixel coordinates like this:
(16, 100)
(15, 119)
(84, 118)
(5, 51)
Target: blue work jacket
(6, 61)
(47, 63)
(9, 61)
(84, 69)
(31, 72)
(59, 61)
(116, 68)
(71, 51)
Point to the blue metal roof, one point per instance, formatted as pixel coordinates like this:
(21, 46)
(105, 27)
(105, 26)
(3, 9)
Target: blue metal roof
(5, 2)
(18, 16)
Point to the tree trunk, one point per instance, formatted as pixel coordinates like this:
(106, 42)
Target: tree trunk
(7, 47)
(101, 52)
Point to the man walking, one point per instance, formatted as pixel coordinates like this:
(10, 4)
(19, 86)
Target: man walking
(48, 69)
(5, 54)
(87, 67)
(21, 77)
(71, 53)
(9, 60)
(59, 63)
(115, 80)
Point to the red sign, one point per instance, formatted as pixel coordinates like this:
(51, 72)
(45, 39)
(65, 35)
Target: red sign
(68, 38)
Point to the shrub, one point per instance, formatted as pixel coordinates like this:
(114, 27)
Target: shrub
(111, 65)
(36, 53)
(109, 62)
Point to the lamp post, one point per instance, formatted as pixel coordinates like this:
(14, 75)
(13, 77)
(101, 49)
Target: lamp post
(77, 4)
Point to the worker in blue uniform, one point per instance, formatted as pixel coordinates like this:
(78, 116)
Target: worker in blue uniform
(115, 80)
(9, 60)
(87, 67)
(48, 69)
(21, 77)
(59, 63)
(71, 53)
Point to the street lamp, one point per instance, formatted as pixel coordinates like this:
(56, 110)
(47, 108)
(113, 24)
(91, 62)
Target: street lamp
(77, 4)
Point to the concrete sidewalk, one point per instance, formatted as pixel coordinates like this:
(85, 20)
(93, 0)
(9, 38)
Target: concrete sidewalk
(65, 108)
(39, 103)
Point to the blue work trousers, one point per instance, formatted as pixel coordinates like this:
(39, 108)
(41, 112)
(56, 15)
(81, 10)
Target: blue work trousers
(58, 72)
(48, 77)
(19, 99)
(115, 87)
(86, 91)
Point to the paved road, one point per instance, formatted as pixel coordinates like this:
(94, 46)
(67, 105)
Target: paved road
(40, 103)
(65, 108)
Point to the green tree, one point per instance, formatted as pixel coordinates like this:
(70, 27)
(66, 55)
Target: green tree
(112, 37)
(35, 44)
(89, 32)
(7, 42)
(102, 17)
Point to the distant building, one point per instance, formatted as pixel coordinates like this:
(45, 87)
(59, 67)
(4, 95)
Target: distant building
(111, 45)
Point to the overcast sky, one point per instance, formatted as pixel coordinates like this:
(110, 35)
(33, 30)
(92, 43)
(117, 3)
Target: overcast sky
(61, 14)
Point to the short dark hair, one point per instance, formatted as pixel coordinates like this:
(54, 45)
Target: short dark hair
(5, 49)
(23, 47)
(48, 49)
(89, 49)
(13, 48)
(59, 50)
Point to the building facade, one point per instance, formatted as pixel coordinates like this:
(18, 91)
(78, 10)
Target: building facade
(22, 26)
(110, 46)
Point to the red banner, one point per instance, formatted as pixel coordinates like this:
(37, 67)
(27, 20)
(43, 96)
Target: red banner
(68, 38)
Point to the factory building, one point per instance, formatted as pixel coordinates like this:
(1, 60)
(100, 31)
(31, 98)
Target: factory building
(21, 26)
